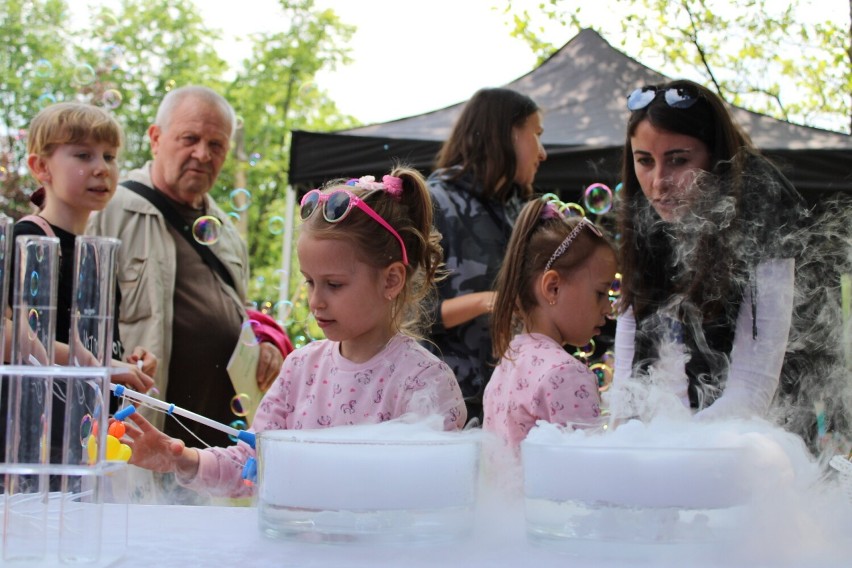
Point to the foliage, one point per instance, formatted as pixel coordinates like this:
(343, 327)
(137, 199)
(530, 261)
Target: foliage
(126, 60)
(38, 72)
(273, 94)
(786, 59)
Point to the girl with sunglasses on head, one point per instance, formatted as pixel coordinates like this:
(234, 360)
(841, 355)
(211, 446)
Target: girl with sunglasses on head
(552, 290)
(369, 256)
(713, 261)
(484, 173)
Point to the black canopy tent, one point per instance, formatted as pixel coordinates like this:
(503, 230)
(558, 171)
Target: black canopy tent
(582, 90)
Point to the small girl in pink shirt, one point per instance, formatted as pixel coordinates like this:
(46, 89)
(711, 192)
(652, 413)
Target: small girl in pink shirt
(552, 290)
(369, 256)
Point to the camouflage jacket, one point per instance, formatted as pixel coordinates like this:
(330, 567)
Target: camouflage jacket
(475, 233)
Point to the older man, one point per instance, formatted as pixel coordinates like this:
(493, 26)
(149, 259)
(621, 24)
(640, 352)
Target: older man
(185, 305)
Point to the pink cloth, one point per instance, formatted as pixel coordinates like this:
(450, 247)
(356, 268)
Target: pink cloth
(318, 388)
(269, 330)
(543, 382)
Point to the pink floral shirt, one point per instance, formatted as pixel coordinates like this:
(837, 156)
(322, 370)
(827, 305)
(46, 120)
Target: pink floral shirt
(318, 388)
(542, 382)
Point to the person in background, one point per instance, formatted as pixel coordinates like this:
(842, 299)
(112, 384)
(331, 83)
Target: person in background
(73, 153)
(184, 297)
(485, 172)
(716, 257)
(369, 255)
(552, 290)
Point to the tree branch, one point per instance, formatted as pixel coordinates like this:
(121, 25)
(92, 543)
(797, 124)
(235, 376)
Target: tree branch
(701, 53)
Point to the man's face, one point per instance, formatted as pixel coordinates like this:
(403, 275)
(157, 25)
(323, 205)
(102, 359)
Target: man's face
(189, 150)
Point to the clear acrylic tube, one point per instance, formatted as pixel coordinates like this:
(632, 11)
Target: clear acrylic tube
(29, 398)
(7, 225)
(34, 300)
(87, 402)
(93, 304)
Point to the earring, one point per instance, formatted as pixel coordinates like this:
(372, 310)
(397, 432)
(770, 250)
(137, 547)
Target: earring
(552, 302)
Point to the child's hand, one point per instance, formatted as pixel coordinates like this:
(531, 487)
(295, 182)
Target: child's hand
(155, 451)
(131, 376)
(148, 359)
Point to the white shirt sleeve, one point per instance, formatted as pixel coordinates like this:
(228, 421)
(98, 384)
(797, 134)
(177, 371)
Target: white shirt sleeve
(625, 337)
(756, 362)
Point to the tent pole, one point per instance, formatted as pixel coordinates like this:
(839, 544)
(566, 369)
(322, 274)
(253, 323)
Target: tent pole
(286, 254)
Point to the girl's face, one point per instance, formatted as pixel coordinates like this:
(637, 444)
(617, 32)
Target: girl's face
(529, 151)
(666, 165)
(347, 297)
(78, 177)
(583, 302)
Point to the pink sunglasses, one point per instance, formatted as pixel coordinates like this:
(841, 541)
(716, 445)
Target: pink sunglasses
(336, 206)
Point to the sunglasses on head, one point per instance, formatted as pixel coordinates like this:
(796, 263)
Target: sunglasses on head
(336, 206)
(675, 97)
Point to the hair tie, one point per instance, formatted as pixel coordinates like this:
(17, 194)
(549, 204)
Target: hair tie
(389, 184)
(393, 185)
(550, 211)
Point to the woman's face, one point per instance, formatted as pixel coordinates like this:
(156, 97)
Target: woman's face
(666, 165)
(529, 151)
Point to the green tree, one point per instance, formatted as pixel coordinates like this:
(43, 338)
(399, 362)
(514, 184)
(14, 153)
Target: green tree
(274, 93)
(787, 59)
(139, 53)
(37, 71)
(126, 60)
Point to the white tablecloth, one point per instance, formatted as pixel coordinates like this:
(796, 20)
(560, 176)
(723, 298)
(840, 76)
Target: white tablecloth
(185, 536)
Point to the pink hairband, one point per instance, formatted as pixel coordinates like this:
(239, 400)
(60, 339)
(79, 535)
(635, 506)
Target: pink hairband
(392, 185)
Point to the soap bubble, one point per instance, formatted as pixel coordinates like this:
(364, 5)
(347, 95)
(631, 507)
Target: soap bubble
(240, 199)
(572, 210)
(111, 98)
(598, 198)
(250, 339)
(84, 75)
(207, 229)
(237, 425)
(240, 404)
(43, 68)
(276, 225)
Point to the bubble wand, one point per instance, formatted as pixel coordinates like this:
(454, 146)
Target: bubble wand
(243, 435)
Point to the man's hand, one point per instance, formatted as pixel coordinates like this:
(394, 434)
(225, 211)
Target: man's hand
(148, 359)
(131, 376)
(268, 365)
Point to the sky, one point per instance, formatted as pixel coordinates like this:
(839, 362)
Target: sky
(450, 48)
(402, 42)
(437, 53)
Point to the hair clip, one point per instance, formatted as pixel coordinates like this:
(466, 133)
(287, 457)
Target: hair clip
(390, 184)
(560, 250)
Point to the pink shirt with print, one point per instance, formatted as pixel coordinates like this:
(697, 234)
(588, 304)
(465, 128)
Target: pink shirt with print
(541, 382)
(318, 388)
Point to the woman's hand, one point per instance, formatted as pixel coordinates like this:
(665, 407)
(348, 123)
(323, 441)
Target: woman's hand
(155, 451)
(462, 309)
